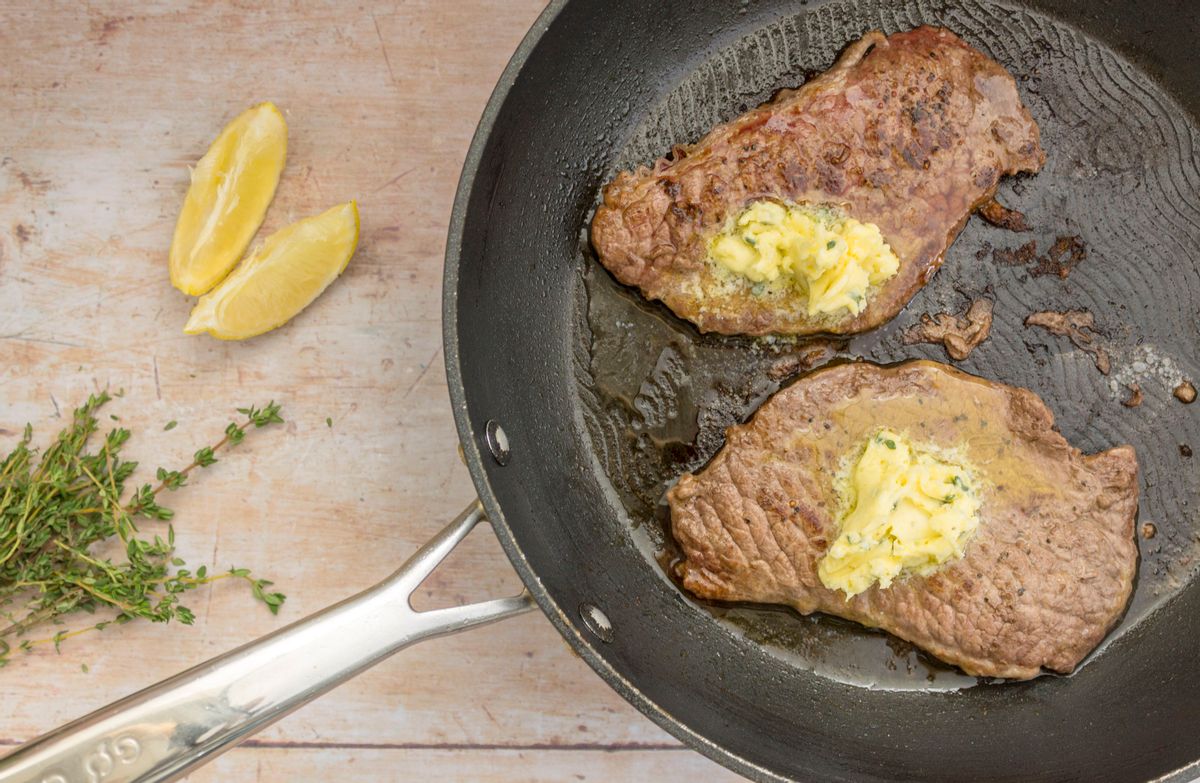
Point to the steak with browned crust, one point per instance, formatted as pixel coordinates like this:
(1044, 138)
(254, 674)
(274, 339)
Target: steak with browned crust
(910, 132)
(1048, 572)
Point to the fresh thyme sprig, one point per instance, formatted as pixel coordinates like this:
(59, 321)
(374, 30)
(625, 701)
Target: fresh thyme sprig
(53, 510)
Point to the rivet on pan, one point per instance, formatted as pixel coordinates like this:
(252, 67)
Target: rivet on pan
(497, 442)
(596, 621)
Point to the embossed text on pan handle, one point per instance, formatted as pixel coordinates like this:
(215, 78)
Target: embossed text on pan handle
(164, 731)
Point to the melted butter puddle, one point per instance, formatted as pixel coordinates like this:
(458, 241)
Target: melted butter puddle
(962, 425)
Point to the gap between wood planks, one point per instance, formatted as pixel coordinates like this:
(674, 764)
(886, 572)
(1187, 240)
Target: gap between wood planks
(533, 746)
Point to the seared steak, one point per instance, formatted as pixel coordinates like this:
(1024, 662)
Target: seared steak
(910, 132)
(1047, 574)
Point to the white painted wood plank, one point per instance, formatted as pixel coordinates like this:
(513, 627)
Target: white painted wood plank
(476, 766)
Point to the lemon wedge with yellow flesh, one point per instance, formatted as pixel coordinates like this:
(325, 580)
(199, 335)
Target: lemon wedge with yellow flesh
(280, 278)
(232, 186)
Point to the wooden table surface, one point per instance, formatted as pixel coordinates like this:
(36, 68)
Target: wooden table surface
(102, 108)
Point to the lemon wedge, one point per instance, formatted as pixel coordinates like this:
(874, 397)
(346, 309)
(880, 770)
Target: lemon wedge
(280, 278)
(232, 186)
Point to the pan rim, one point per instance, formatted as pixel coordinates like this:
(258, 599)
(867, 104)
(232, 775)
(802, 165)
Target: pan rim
(469, 440)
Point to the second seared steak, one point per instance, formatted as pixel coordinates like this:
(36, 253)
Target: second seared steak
(911, 132)
(1047, 574)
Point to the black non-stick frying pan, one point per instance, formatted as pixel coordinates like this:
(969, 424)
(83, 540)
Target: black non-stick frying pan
(577, 403)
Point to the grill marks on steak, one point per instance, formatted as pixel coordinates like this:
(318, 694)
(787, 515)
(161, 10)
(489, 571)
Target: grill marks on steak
(911, 132)
(1050, 568)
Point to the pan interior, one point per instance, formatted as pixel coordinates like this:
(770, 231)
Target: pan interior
(1120, 181)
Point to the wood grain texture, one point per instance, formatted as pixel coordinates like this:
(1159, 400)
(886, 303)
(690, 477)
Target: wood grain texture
(102, 107)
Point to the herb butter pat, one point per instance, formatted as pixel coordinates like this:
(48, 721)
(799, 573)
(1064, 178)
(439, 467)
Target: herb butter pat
(831, 259)
(905, 511)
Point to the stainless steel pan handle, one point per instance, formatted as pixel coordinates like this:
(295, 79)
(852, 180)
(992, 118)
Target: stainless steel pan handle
(164, 731)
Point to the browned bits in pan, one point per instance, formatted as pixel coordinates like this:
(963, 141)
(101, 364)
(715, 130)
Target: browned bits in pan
(1135, 396)
(1079, 327)
(959, 333)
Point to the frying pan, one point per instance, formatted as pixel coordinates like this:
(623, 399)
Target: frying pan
(577, 403)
